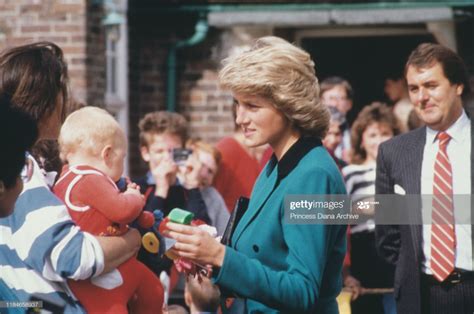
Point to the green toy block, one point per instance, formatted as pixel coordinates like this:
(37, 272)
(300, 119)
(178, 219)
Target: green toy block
(180, 216)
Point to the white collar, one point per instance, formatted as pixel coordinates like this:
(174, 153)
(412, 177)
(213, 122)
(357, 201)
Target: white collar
(457, 131)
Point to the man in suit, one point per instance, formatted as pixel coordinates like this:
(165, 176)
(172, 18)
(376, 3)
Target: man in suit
(434, 266)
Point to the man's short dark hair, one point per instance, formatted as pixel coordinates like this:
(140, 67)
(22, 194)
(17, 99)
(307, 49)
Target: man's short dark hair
(18, 132)
(332, 81)
(427, 54)
(160, 122)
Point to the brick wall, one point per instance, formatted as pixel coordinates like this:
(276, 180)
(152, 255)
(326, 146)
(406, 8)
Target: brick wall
(206, 106)
(74, 25)
(146, 81)
(197, 97)
(95, 64)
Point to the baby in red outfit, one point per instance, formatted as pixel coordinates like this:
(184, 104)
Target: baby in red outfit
(94, 147)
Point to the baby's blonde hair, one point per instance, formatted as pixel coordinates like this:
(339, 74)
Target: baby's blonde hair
(88, 130)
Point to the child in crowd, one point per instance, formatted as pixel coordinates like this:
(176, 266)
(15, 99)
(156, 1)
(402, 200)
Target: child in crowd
(94, 147)
(201, 295)
(161, 133)
(209, 158)
(333, 136)
(12, 158)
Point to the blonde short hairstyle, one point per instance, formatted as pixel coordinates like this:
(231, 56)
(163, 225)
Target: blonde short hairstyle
(88, 130)
(284, 74)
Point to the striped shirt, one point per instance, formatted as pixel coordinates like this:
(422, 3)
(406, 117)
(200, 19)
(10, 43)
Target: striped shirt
(40, 247)
(360, 184)
(360, 179)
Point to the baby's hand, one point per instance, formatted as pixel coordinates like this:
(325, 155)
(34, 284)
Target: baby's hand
(132, 185)
(133, 190)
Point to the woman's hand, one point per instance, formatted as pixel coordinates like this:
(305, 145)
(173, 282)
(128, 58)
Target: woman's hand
(196, 244)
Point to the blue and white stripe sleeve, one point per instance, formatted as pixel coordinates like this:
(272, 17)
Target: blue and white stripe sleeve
(45, 238)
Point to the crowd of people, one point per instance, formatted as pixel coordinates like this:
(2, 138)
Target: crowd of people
(75, 233)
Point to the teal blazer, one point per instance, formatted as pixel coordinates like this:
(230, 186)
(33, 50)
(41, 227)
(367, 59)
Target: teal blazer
(287, 268)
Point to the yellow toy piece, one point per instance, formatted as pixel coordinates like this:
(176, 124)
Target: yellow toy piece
(344, 302)
(171, 255)
(150, 242)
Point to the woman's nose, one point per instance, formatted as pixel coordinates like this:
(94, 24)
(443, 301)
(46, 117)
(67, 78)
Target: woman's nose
(241, 116)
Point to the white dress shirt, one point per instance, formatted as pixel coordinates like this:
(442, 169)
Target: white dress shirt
(459, 154)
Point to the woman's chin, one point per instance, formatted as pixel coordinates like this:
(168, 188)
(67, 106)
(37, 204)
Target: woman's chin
(252, 142)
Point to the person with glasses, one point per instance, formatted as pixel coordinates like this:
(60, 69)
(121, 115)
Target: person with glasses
(40, 246)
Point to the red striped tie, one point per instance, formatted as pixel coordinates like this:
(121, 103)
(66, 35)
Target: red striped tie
(443, 239)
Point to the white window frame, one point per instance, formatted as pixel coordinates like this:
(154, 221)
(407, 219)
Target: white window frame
(116, 101)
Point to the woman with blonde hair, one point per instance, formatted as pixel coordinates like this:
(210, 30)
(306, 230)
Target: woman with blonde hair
(274, 263)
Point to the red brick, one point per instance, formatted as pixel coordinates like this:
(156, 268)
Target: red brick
(197, 96)
(59, 40)
(195, 117)
(74, 49)
(4, 7)
(77, 72)
(78, 39)
(68, 8)
(218, 118)
(69, 28)
(31, 8)
(200, 129)
(19, 41)
(36, 29)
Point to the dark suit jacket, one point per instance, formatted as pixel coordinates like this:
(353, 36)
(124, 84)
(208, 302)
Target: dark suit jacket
(399, 162)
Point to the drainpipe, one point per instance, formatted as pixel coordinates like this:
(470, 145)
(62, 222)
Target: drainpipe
(199, 35)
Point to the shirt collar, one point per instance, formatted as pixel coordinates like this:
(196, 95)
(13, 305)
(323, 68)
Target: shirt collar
(457, 131)
(293, 156)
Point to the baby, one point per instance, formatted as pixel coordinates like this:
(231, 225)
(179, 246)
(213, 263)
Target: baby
(93, 146)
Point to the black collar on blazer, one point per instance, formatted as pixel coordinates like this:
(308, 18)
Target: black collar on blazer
(293, 156)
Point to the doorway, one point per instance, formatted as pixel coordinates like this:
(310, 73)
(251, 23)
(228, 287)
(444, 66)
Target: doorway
(364, 61)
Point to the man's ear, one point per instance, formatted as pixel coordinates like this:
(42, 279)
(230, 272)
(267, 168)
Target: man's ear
(145, 153)
(2, 189)
(459, 89)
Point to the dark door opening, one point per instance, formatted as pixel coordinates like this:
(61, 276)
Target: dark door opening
(363, 61)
